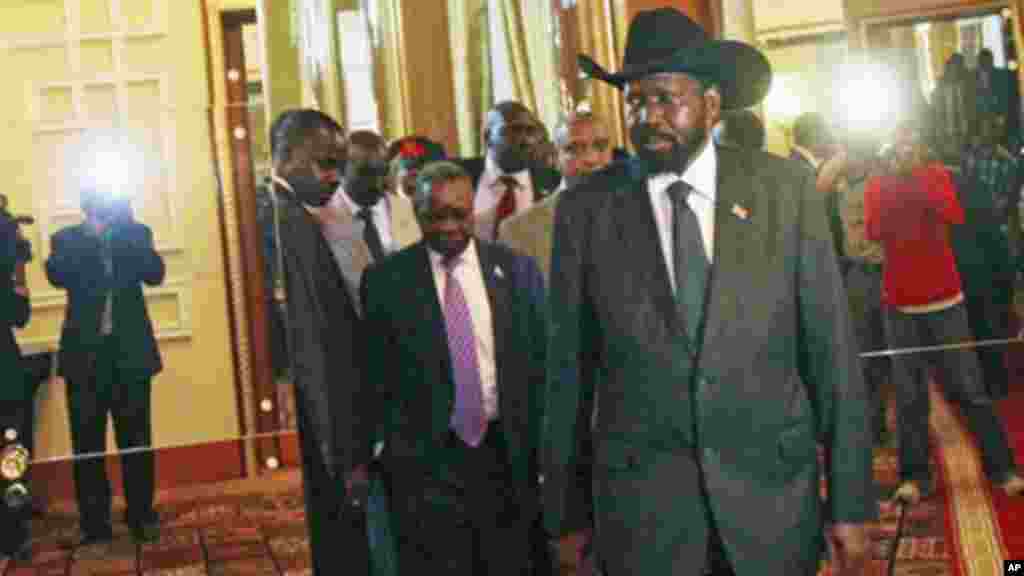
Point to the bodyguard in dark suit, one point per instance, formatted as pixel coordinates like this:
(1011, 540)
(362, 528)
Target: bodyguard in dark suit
(322, 329)
(510, 177)
(695, 292)
(455, 350)
(108, 355)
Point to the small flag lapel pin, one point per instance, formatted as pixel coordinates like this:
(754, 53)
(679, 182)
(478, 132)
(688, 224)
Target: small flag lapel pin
(740, 212)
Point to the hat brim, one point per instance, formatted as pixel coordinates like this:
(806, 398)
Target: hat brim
(742, 72)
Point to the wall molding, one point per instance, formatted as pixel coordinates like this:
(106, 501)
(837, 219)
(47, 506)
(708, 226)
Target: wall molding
(178, 287)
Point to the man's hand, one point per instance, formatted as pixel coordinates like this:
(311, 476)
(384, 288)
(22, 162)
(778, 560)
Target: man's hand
(848, 544)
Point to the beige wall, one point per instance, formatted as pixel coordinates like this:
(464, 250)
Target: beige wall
(73, 67)
(796, 15)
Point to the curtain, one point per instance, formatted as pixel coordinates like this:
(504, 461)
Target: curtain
(602, 35)
(389, 71)
(516, 44)
(532, 56)
(471, 53)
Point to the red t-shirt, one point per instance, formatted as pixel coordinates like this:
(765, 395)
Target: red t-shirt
(911, 217)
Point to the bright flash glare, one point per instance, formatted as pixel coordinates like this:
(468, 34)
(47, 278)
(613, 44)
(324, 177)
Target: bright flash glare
(782, 102)
(867, 98)
(110, 162)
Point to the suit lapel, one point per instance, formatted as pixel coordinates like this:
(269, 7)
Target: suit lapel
(429, 304)
(734, 211)
(638, 232)
(496, 281)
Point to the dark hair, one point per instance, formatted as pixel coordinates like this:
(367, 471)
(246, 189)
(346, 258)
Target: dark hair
(744, 129)
(810, 131)
(430, 174)
(367, 139)
(294, 127)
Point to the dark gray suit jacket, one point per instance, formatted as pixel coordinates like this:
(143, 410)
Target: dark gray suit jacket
(776, 372)
(323, 343)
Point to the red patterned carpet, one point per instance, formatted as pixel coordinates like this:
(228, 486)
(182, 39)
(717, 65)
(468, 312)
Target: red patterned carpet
(254, 527)
(243, 528)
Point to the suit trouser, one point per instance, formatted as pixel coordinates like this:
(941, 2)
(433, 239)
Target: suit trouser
(989, 307)
(337, 530)
(864, 292)
(469, 524)
(960, 376)
(91, 397)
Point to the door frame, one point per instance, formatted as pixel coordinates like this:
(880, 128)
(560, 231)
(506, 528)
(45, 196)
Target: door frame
(259, 394)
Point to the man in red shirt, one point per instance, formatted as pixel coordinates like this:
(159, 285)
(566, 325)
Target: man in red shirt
(910, 210)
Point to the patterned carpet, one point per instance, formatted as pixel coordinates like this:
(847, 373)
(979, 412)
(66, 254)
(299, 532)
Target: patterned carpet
(256, 527)
(245, 528)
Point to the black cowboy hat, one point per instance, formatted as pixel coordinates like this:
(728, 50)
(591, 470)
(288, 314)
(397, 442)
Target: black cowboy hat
(666, 40)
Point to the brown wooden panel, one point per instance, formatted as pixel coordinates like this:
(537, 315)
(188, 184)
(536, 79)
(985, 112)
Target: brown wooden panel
(250, 241)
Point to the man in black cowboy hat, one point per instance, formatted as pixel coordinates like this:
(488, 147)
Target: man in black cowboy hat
(695, 293)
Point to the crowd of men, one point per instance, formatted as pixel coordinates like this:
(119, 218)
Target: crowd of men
(645, 348)
(560, 337)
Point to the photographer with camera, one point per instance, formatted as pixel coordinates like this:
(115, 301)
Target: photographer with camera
(15, 411)
(910, 210)
(108, 356)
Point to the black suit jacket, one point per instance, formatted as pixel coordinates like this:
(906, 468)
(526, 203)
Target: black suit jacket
(14, 313)
(323, 341)
(777, 369)
(76, 264)
(408, 361)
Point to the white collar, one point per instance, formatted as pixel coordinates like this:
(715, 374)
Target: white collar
(701, 174)
(342, 199)
(282, 182)
(469, 255)
(316, 211)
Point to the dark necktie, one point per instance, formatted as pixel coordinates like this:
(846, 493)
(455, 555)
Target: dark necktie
(689, 260)
(468, 418)
(507, 204)
(370, 234)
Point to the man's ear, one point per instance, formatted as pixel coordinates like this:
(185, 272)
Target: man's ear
(712, 106)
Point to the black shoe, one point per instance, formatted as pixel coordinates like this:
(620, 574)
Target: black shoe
(146, 532)
(91, 536)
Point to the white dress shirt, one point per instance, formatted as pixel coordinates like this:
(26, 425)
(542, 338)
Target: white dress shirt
(702, 175)
(381, 213)
(489, 192)
(470, 277)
